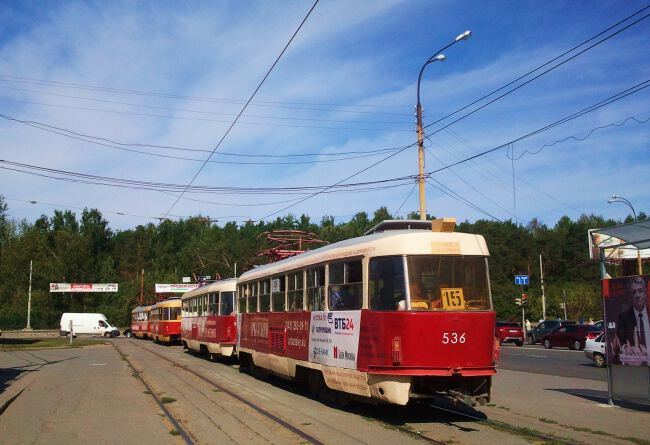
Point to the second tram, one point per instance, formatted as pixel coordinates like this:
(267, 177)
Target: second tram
(208, 318)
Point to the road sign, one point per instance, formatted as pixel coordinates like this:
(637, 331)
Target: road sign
(521, 280)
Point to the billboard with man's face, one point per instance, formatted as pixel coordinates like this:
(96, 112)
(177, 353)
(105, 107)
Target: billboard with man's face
(625, 302)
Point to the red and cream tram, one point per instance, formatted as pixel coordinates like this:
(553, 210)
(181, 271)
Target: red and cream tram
(396, 314)
(165, 320)
(208, 318)
(140, 321)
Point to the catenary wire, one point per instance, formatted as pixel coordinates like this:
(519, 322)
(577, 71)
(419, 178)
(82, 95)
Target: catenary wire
(454, 195)
(537, 76)
(268, 73)
(123, 147)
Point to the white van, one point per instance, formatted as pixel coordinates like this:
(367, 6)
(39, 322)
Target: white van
(96, 324)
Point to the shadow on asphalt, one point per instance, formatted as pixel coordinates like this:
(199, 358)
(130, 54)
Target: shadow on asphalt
(19, 341)
(7, 375)
(439, 410)
(602, 397)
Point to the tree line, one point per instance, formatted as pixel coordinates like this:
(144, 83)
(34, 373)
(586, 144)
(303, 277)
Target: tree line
(65, 247)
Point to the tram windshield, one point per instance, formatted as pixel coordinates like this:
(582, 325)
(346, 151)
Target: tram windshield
(448, 283)
(435, 283)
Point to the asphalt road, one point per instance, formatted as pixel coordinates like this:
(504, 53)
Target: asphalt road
(558, 361)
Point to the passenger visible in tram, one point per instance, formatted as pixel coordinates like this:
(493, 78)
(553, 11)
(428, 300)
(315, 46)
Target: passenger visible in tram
(340, 297)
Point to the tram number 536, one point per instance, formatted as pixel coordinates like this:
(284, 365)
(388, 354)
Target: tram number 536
(453, 338)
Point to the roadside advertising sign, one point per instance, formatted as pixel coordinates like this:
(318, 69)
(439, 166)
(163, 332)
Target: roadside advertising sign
(83, 287)
(175, 288)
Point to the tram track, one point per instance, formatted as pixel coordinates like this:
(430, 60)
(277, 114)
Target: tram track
(301, 434)
(182, 432)
(503, 426)
(407, 429)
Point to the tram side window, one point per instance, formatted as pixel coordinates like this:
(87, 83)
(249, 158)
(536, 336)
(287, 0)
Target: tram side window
(175, 313)
(387, 288)
(241, 296)
(265, 295)
(227, 303)
(278, 296)
(346, 286)
(295, 291)
(253, 289)
(315, 289)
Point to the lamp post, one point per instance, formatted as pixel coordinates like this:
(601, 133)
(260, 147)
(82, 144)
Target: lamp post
(436, 57)
(617, 198)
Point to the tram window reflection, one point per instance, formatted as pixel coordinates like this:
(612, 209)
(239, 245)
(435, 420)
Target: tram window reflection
(295, 291)
(227, 303)
(278, 295)
(265, 295)
(346, 286)
(252, 297)
(387, 288)
(315, 289)
(448, 283)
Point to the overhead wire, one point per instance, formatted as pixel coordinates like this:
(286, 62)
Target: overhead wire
(454, 195)
(262, 104)
(122, 146)
(277, 60)
(616, 97)
(536, 69)
(188, 118)
(214, 113)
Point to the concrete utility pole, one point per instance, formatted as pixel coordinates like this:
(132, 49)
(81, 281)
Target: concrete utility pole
(437, 56)
(29, 300)
(541, 275)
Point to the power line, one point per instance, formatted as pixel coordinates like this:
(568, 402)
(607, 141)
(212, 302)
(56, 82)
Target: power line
(214, 113)
(405, 199)
(200, 119)
(582, 138)
(342, 108)
(156, 186)
(122, 146)
(452, 194)
(536, 69)
(245, 106)
(616, 97)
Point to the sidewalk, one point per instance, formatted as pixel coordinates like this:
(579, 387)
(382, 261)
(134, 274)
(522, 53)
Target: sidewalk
(66, 396)
(567, 407)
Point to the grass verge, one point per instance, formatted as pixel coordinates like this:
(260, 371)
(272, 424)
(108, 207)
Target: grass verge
(10, 344)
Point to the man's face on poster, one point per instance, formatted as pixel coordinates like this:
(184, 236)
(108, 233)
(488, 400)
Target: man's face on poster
(637, 290)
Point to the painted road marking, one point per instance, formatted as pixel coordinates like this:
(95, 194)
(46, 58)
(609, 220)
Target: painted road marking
(98, 364)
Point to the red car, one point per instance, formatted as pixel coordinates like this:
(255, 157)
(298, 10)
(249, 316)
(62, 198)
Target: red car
(507, 331)
(572, 336)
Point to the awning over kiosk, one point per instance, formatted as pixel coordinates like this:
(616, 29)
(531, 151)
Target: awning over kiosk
(635, 234)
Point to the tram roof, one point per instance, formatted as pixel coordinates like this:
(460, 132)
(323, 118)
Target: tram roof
(141, 309)
(391, 242)
(170, 302)
(227, 285)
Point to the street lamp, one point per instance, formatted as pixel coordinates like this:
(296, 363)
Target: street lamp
(436, 57)
(616, 198)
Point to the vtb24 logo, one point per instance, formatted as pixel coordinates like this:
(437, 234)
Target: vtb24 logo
(341, 323)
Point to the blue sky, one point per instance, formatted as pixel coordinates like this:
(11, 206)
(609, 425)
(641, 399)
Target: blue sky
(346, 84)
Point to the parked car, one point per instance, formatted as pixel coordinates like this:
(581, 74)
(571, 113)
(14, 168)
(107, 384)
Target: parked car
(546, 327)
(572, 336)
(595, 350)
(507, 331)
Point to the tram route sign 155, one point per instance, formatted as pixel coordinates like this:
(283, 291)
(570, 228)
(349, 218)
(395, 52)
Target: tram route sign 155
(521, 280)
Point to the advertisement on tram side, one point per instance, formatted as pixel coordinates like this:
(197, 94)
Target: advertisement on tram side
(334, 338)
